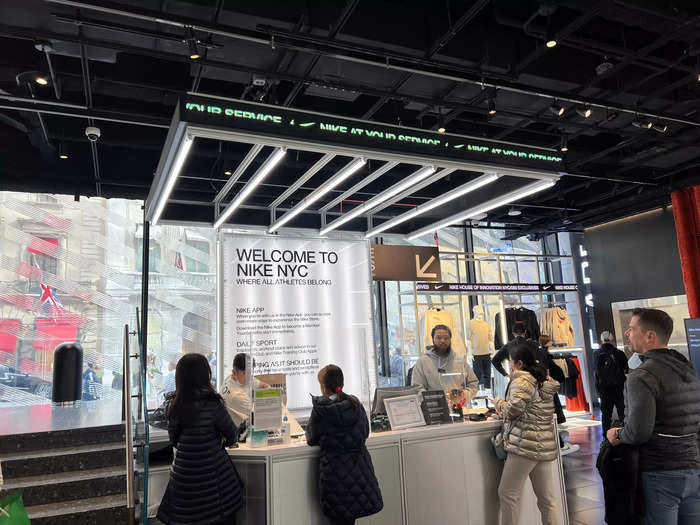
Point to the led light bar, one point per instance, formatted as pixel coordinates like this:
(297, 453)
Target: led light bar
(254, 181)
(434, 203)
(530, 189)
(409, 181)
(173, 174)
(319, 192)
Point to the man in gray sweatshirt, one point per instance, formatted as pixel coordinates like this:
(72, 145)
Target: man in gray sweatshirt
(662, 399)
(442, 360)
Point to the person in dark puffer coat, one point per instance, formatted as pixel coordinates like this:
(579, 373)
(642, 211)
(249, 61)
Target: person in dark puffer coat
(338, 423)
(204, 487)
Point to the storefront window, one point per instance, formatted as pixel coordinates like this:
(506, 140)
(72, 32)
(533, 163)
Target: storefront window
(67, 274)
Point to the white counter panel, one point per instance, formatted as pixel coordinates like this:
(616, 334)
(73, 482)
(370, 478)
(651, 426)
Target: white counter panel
(294, 485)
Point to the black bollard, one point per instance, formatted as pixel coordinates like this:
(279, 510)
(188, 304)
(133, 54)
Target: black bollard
(67, 373)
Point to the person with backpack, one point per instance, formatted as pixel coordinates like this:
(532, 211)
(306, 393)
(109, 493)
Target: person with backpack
(611, 369)
(348, 487)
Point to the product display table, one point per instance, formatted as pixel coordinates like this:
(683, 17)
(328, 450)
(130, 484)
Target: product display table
(428, 475)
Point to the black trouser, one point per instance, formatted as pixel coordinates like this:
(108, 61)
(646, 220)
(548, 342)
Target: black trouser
(608, 400)
(482, 369)
(559, 411)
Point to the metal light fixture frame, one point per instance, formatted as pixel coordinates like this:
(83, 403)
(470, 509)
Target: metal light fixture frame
(182, 134)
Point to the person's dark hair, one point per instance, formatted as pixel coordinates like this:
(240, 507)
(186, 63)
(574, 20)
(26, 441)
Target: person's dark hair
(239, 362)
(331, 377)
(519, 328)
(656, 321)
(521, 352)
(544, 339)
(440, 327)
(91, 364)
(192, 379)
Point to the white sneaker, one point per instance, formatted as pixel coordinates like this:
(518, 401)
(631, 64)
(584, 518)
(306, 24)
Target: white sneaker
(568, 448)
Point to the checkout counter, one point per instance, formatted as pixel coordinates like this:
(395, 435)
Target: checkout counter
(429, 475)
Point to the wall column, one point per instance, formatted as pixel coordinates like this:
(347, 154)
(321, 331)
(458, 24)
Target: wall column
(686, 213)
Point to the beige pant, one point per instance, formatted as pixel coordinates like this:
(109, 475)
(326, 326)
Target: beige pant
(515, 472)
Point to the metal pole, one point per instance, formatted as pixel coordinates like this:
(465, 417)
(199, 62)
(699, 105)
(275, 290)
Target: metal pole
(128, 429)
(219, 311)
(145, 261)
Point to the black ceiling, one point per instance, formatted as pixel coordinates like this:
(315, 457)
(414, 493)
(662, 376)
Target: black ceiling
(115, 67)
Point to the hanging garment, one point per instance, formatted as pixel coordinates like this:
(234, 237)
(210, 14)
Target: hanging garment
(561, 363)
(514, 315)
(557, 325)
(435, 316)
(579, 402)
(480, 337)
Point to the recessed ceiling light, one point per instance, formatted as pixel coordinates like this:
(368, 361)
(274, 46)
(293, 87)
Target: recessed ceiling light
(228, 173)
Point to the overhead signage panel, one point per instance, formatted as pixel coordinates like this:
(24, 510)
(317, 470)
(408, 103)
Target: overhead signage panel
(405, 263)
(495, 287)
(279, 122)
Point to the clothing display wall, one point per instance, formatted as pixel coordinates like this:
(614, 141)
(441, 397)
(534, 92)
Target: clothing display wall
(516, 315)
(435, 316)
(557, 325)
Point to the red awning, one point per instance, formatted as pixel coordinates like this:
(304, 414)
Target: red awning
(9, 328)
(43, 245)
(50, 334)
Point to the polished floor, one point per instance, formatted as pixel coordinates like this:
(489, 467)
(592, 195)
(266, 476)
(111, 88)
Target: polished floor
(584, 489)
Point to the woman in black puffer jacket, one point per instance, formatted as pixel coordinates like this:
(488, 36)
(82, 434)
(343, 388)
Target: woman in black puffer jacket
(204, 487)
(338, 423)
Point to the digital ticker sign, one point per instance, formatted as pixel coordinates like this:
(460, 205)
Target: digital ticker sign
(295, 124)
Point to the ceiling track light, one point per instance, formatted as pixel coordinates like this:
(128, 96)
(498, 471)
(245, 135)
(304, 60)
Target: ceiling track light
(642, 123)
(263, 171)
(556, 109)
(550, 39)
(585, 111)
(434, 203)
(441, 122)
(62, 153)
(660, 127)
(375, 201)
(564, 146)
(514, 212)
(192, 44)
(319, 192)
(530, 189)
(42, 81)
(492, 106)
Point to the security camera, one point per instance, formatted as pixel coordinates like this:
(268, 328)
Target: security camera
(92, 133)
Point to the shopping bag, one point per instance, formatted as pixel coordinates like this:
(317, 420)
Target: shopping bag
(12, 510)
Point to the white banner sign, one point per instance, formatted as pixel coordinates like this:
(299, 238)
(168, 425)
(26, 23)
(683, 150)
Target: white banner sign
(297, 305)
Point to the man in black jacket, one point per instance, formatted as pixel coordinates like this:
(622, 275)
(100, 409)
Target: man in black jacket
(519, 337)
(662, 397)
(610, 366)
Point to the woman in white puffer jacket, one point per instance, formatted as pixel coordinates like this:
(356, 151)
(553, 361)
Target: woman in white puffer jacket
(529, 436)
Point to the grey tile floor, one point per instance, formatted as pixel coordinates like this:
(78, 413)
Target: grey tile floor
(584, 489)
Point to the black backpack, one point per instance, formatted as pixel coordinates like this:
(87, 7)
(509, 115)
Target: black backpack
(609, 372)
